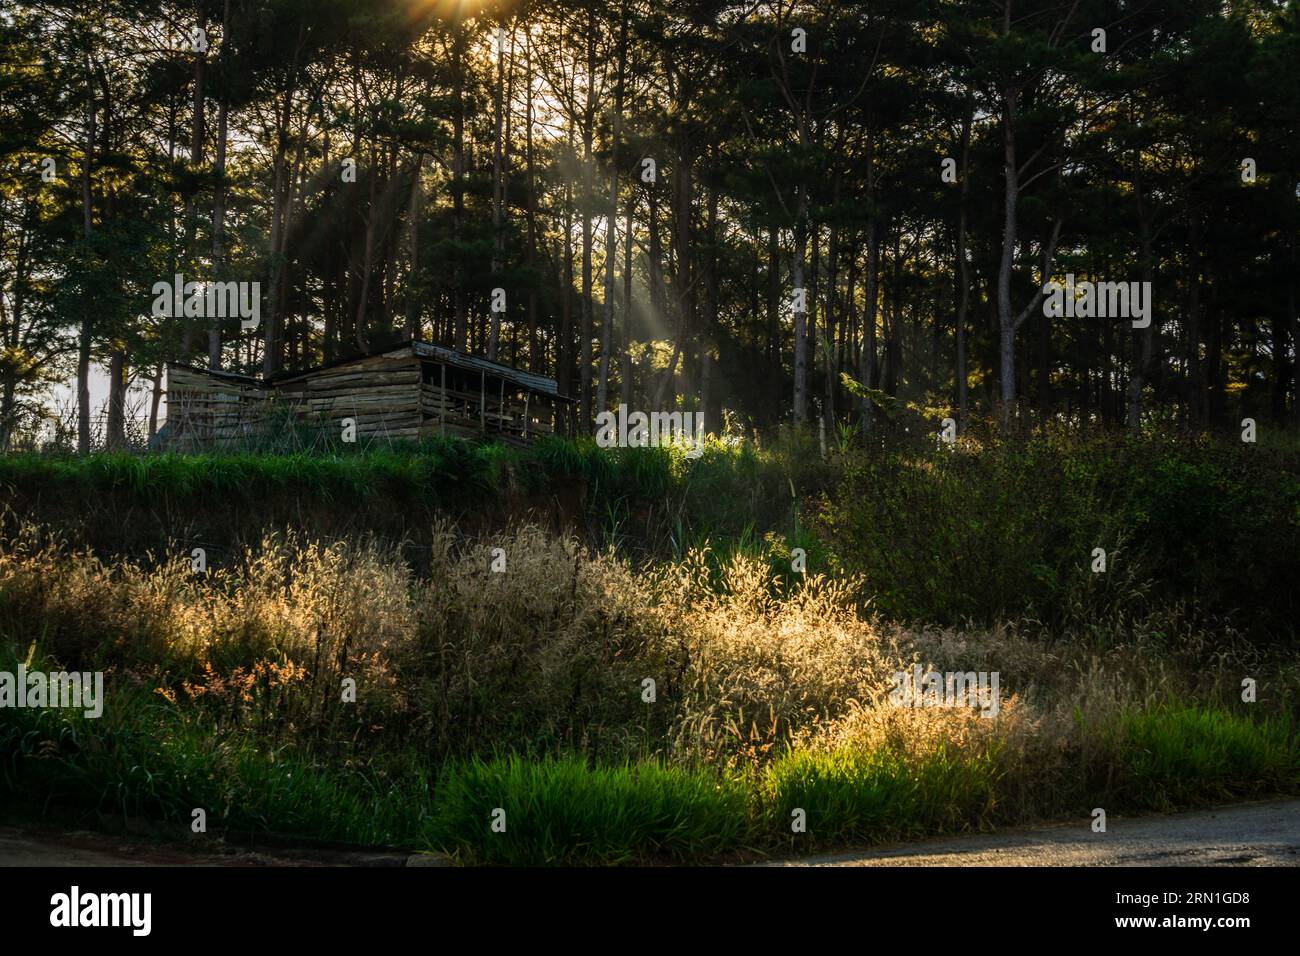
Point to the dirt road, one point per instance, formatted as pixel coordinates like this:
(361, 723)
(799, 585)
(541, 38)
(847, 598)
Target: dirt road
(22, 846)
(1255, 834)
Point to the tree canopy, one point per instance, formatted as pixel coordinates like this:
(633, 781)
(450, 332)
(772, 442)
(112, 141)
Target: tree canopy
(780, 211)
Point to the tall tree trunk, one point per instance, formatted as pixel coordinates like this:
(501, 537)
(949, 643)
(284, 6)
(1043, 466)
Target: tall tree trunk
(1010, 195)
(564, 348)
(1215, 398)
(611, 227)
(1144, 339)
(86, 332)
(588, 317)
(1293, 307)
(963, 266)
(536, 360)
(624, 350)
(682, 256)
(892, 371)
(498, 187)
(115, 428)
(197, 132)
(367, 257)
(1192, 346)
(800, 315)
(772, 350)
(219, 187)
(712, 292)
(828, 323)
(461, 306)
(654, 265)
(412, 328)
(867, 358)
(272, 336)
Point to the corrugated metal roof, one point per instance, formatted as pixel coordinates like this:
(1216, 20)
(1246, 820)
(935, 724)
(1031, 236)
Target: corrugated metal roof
(291, 375)
(538, 383)
(217, 373)
(437, 353)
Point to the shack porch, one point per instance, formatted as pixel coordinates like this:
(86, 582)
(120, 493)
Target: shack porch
(407, 392)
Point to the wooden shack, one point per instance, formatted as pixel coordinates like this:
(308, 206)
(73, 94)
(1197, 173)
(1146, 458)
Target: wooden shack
(410, 391)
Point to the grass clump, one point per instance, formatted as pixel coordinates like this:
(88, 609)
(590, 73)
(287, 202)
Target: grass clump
(864, 797)
(1180, 756)
(566, 811)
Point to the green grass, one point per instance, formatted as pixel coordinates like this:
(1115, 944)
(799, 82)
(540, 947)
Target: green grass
(653, 502)
(853, 797)
(424, 469)
(1182, 756)
(147, 760)
(566, 811)
(159, 766)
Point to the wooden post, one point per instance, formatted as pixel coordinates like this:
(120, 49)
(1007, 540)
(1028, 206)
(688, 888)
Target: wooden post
(527, 396)
(442, 400)
(501, 408)
(482, 403)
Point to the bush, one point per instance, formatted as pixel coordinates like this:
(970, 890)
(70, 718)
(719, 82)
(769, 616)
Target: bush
(1008, 530)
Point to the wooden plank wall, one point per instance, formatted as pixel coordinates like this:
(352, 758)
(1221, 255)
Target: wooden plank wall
(383, 393)
(205, 411)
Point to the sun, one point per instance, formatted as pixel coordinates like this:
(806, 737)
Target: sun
(459, 9)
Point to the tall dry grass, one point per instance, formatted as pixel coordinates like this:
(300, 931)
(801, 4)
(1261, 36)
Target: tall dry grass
(551, 653)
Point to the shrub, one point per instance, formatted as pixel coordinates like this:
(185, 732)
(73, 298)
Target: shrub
(1007, 530)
